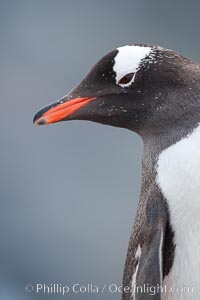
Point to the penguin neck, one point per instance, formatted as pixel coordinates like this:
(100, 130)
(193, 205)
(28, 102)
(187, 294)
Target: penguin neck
(164, 138)
(178, 111)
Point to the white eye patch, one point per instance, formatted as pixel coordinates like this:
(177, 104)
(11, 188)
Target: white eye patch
(128, 60)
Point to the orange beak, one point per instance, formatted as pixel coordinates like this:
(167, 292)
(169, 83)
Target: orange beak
(60, 111)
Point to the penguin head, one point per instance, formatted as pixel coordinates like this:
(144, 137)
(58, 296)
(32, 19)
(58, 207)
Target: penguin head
(127, 88)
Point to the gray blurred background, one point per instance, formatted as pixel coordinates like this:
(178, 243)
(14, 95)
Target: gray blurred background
(69, 191)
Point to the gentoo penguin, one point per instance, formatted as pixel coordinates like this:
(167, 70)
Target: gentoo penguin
(156, 93)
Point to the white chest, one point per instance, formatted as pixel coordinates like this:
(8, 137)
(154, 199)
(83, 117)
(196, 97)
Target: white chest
(178, 175)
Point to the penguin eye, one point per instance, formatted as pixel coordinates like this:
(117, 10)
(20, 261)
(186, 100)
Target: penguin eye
(126, 79)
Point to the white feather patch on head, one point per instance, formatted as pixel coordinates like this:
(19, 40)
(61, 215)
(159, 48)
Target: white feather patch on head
(128, 60)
